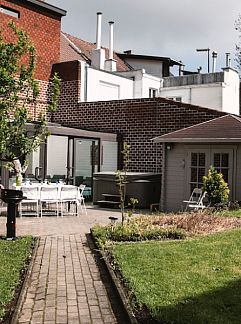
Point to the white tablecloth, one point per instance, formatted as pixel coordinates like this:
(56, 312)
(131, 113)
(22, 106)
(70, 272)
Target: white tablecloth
(59, 186)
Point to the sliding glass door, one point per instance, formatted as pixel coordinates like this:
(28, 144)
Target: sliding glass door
(86, 162)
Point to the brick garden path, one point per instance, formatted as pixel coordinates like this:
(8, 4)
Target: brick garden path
(66, 285)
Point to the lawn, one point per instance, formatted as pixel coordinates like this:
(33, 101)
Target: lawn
(13, 259)
(192, 281)
(229, 213)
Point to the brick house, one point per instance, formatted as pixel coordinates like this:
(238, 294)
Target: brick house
(42, 22)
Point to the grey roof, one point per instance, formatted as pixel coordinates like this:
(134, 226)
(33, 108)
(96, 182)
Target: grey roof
(226, 128)
(149, 57)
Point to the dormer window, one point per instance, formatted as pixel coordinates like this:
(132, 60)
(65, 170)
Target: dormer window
(9, 11)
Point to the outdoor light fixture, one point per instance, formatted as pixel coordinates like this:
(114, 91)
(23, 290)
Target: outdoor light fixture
(113, 221)
(208, 54)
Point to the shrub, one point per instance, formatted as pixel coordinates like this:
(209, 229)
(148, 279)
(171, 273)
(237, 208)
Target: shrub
(133, 232)
(216, 187)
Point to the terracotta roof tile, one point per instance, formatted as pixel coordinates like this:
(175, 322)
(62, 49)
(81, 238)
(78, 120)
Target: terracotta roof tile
(86, 49)
(226, 127)
(67, 52)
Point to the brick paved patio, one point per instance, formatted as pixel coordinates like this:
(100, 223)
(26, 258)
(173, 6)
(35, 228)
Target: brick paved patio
(66, 285)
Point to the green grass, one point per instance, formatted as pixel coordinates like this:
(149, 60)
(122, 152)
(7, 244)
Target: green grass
(192, 281)
(229, 213)
(13, 257)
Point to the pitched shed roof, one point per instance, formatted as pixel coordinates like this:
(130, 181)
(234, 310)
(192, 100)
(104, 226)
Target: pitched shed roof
(85, 49)
(222, 129)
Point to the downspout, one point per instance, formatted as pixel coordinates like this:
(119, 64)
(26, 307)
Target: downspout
(190, 95)
(86, 83)
(163, 182)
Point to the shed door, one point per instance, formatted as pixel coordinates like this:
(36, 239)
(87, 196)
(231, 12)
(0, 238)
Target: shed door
(199, 161)
(222, 160)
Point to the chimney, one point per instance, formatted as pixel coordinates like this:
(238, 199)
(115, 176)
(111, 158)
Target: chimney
(228, 60)
(98, 30)
(110, 64)
(181, 67)
(214, 56)
(98, 54)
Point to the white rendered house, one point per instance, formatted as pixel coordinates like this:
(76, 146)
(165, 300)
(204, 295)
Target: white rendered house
(107, 75)
(219, 90)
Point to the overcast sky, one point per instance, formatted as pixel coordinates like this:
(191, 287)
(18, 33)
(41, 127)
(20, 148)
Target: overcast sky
(171, 28)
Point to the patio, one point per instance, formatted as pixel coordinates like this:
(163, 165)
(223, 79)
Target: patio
(52, 225)
(66, 284)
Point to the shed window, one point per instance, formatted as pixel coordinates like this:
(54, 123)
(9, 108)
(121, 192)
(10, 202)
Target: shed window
(198, 162)
(221, 163)
(10, 12)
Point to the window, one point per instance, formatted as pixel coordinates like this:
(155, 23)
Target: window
(152, 93)
(9, 11)
(179, 99)
(221, 163)
(198, 162)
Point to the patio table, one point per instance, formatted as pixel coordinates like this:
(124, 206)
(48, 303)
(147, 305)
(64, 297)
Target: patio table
(59, 186)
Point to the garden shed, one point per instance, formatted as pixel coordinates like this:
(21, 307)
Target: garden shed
(188, 153)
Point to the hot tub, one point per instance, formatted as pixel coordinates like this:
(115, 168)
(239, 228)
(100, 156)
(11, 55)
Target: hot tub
(144, 186)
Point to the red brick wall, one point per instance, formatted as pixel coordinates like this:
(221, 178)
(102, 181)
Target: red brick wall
(136, 120)
(43, 29)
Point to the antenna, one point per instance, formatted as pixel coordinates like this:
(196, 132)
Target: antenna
(208, 54)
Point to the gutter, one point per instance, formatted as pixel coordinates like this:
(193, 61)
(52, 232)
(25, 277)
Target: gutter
(47, 6)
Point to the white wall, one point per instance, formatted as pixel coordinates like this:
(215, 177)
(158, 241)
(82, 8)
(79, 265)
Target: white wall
(99, 85)
(150, 81)
(142, 82)
(152, 67)
(222, 96)
(231, 91)
(102, 85)
(208, 95)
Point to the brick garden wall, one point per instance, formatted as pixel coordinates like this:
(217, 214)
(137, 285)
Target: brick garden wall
(136, 120)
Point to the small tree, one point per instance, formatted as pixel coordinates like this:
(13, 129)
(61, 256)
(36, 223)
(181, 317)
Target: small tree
(216, 187)
(121, 179)
(238, 45)
(19, 92)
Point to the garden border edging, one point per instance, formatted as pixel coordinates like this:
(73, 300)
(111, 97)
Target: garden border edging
(117, 285)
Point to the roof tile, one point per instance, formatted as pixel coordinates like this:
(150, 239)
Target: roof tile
(224, 127)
